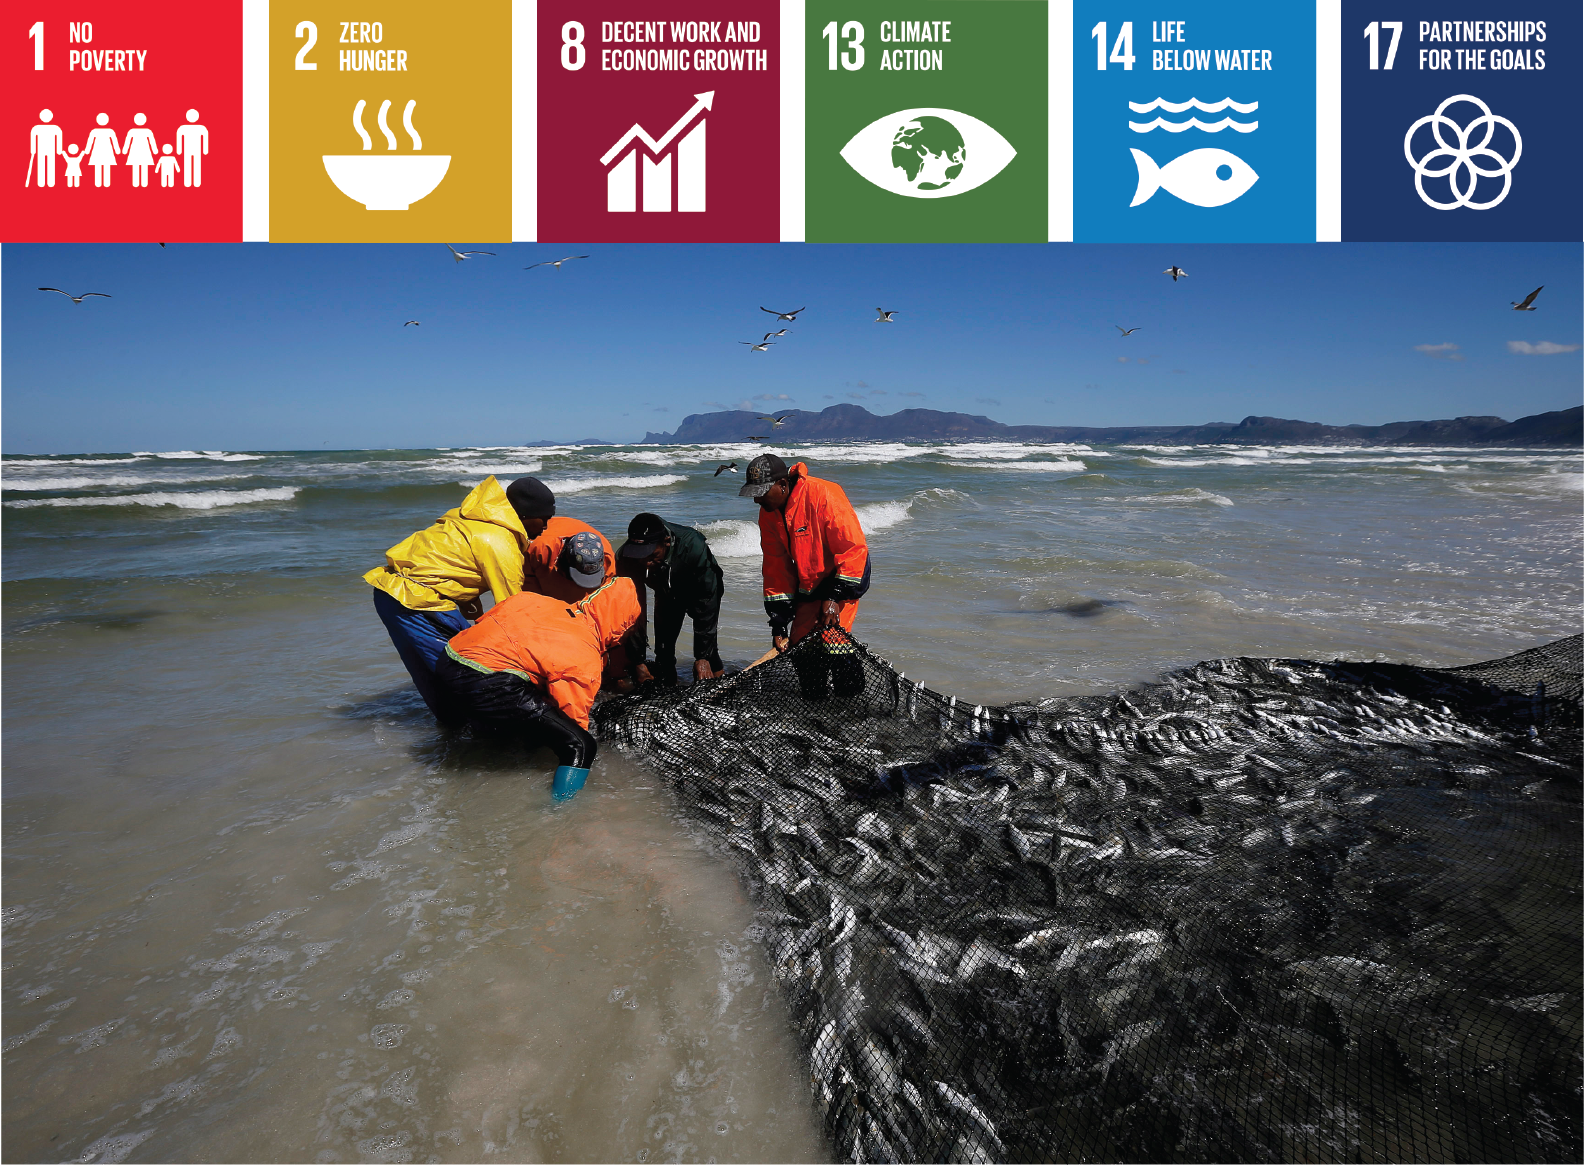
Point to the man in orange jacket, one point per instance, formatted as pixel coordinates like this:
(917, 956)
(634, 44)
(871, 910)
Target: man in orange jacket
(532, 666)
(816, 564)
(545, 565)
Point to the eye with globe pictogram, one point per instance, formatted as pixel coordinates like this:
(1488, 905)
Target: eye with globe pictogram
(928, 153)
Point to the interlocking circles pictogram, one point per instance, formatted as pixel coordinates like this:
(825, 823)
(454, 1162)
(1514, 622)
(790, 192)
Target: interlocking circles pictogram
(1458, 161)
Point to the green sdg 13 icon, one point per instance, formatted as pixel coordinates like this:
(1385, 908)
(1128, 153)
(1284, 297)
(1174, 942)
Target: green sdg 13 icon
(926, 130)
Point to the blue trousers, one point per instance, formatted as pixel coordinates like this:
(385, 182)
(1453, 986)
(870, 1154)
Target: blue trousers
(420, 638)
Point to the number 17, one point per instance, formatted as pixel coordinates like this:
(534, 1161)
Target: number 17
(1373, 33)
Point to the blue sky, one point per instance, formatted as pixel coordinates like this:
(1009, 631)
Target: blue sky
(257, 346)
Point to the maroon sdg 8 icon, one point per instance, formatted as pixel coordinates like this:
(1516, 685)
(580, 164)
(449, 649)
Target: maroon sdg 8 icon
(659, 130)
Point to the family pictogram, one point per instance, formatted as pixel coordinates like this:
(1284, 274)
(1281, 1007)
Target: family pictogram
(104, 149)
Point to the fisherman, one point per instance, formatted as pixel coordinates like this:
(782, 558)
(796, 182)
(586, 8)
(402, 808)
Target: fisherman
(532, 666)
(431, 582)
(676, 563)
(544, 571)
(816, 567)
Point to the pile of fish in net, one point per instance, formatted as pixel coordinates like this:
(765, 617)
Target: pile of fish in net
(1262, 910)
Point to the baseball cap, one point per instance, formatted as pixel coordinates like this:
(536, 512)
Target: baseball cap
(763, 472)
(583, 558)
(644, 533)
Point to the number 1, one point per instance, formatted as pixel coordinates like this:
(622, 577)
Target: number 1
(36, 35)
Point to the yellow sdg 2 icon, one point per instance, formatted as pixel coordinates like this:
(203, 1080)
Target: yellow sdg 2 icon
(390, 123)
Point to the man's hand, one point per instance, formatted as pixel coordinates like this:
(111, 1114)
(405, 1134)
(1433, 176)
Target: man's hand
(472, 609)
(830, 614)
(703, 671)
(643, 673)
(780, 642)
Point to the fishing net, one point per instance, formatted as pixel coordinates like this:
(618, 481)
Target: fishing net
(1262, 910)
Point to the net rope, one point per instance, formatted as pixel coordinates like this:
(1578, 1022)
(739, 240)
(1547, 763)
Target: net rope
(1261, 910)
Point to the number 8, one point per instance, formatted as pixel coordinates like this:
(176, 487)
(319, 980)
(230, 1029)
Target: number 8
(572, 50)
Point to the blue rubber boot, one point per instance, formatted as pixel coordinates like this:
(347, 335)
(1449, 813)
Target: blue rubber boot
(568, 781)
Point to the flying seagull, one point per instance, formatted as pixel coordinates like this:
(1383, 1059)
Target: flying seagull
(885, 316)
(414, 323)
(723, 467)
(782, 332)
(1528, 299)
(1174, 271)
(777, 422)
(460, 255)
(762, 346)
(86, 294)
(784, 315)
(556, 263)
(1124, 331)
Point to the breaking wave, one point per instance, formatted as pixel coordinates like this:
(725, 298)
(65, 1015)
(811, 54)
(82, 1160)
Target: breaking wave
(1183, 497)
(196, 500)
(203, 455)
(732, 539)
(1046, 466)
(577, 485)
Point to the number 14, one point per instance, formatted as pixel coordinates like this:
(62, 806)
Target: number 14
(1121, 51)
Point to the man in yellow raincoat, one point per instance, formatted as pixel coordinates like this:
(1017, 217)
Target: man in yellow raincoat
(431, 582)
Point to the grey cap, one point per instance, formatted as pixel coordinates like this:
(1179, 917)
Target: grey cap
(763, 472)
(583, 558)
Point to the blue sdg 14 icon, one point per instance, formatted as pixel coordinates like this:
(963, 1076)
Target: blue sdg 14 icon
(1193, 123)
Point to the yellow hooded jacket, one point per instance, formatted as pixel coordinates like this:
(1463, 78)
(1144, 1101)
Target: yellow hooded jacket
(474, 548)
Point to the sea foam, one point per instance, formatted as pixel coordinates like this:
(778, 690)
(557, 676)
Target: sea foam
(208, 499)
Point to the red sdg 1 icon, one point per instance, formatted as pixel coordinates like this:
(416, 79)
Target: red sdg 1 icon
(659, 130)
(128, 119)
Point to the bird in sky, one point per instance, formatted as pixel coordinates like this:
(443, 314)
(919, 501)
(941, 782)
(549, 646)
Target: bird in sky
(1174, 271)
(556, 263)
(724, 466)
(777, 422)
(1528, 300)
(885, 316)
(86, 294)
(414, 323)
(784, 315)
(460, 255)
(762, 346)
(1124, 331)
(782, 332)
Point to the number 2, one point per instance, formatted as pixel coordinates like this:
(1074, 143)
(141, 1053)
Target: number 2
(311, 30)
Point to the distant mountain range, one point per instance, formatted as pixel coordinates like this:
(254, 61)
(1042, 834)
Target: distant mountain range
(854, 423)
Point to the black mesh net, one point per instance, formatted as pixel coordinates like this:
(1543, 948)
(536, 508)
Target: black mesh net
(1262, 910)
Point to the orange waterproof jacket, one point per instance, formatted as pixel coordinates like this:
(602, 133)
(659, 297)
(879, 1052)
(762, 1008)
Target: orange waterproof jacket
(560, 646)
(544, 552)
(474, 548)
(813, 549)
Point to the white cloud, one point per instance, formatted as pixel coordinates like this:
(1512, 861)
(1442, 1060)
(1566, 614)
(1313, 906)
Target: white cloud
(1447, 351)
(910, 394)
(986, 400)
(1543, 348)
(772, 396)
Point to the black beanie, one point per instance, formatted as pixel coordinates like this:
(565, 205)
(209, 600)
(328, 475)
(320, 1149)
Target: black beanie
(531, 498)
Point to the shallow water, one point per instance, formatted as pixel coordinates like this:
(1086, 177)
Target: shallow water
(257, 909)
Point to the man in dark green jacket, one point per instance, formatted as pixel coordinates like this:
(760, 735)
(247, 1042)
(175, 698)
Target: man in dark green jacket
(676, 564)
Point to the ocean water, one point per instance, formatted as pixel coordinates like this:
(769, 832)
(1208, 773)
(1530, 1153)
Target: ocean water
(257, 908)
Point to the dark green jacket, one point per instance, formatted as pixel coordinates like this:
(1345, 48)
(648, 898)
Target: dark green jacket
(688, 583)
